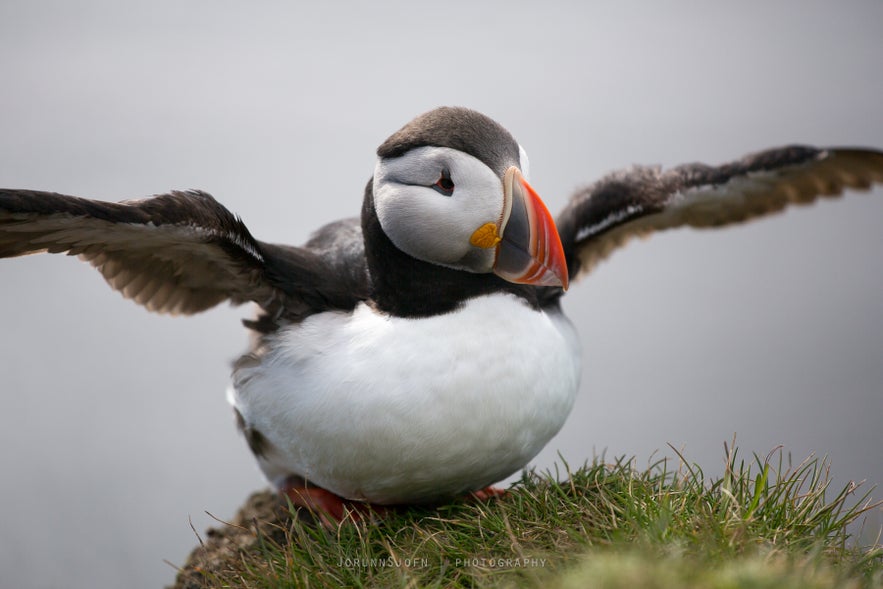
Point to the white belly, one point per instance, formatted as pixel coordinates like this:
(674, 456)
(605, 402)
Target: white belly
(394, 410)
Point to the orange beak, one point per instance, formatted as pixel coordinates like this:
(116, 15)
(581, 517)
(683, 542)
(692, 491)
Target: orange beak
(530, 251)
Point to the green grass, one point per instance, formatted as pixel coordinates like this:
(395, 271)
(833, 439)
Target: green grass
(763, 524)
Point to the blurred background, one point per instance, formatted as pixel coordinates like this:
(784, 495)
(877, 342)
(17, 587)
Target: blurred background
(115, 428)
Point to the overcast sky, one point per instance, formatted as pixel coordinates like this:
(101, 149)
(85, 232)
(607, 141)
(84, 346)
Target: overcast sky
(115, 425)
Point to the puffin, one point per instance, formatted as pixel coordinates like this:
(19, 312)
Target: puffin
(417, 353)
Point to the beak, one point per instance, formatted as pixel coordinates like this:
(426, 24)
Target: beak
(530, 251)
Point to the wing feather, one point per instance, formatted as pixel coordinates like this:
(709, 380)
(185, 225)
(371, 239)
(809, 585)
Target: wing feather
(642, 200)
(177, 253)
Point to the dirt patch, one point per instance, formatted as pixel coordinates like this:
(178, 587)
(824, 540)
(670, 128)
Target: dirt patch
(263, 518)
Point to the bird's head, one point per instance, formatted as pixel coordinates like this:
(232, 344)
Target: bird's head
(450, 188)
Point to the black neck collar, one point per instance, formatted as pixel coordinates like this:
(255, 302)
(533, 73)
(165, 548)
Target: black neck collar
(407, 287)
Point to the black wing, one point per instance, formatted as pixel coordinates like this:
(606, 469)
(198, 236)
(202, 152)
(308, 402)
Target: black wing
(642, 200)
(177, 253)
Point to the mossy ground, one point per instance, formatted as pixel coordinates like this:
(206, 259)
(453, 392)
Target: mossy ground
(762, 524)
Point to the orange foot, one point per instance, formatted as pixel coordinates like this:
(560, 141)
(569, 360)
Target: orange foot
(330, 508)
(487, 494)
(333, 509)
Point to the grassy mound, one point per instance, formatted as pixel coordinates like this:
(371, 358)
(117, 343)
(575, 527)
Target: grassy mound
(763, 524)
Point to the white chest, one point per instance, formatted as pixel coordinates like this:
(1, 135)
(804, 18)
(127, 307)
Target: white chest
(407, 410)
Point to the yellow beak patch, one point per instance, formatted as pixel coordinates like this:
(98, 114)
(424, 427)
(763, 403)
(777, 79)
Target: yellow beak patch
(485, 236)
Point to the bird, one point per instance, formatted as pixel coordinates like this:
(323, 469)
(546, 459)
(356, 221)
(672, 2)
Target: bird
(418, 352)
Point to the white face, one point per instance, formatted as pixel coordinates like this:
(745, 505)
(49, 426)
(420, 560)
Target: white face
(431, 200)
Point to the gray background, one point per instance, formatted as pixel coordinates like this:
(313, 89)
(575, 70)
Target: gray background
(115, 429)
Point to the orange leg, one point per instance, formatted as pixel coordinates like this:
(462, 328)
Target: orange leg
(487, 494)
(328, 506)
(333, 509)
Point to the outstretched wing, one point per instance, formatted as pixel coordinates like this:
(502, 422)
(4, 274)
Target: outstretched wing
(641, 200)
(177, 253)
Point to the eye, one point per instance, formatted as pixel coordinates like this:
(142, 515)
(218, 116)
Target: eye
(444, 185)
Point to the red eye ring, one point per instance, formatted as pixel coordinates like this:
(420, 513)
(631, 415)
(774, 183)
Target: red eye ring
(444, 185)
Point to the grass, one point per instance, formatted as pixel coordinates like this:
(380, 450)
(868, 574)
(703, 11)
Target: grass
(764, 523)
